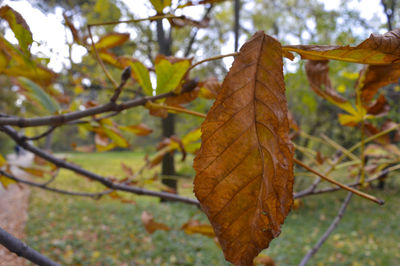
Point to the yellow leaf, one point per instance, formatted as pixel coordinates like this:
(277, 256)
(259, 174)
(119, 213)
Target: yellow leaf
(5, 181)
(350, 75)
(376, 50)
(341, 88)
(2, 161)
(111, 40)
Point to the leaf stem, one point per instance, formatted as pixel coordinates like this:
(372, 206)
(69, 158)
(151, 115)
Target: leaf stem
(339, 147)
(158, 17)
(103, 67)
(177, 109)
(355, 191)
(210, 59)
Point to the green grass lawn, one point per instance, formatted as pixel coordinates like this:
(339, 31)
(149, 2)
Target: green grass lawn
(82, 231)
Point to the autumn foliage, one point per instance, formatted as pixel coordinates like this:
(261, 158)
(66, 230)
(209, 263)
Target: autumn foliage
(244, 167)
(244, 178)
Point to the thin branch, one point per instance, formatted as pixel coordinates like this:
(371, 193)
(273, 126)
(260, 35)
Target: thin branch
(377, 176)
(18, 247)
(314, 185)
(355, 191)
(332, 227)
(53, 177)
(64, 118)
(153, 18)
(339, 147)
(103, 67)
(210, 59)
(105, 181)
(44, 134)
(193, 38)
(126, 74)
(60, 191)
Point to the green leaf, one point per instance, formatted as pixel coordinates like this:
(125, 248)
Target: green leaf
(142, 76)
(38, 94)
(119, 140)
(18, 26)
(169, 75)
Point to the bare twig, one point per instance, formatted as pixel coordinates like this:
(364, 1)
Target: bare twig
(103, 67)
(193, 38)
(64, 118)
(105, 181)
(153, 18)
(18, 247)
(126, 74)
(210, 59)
(44, 134)
(339, 147)
(355, 191)
(61, 191)
(355, 184)
(332, 227)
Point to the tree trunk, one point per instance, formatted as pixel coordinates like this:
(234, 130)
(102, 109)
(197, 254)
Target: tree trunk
(168, 124)
(236, 26)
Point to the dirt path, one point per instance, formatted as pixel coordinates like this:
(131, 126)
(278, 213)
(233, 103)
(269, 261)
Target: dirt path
(13, 209)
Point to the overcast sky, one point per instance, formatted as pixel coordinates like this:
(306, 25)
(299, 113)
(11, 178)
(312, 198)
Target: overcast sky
(49, 31)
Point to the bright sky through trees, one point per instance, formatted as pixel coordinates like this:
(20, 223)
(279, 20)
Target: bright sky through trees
(50, 34)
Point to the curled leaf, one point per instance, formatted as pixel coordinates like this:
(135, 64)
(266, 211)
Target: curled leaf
(244, 169)
(139, 130)
(374, 77)
(380, 107)
(377, 49)
(318, 76)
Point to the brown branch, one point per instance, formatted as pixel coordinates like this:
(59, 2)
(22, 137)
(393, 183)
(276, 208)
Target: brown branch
(64, 118)
(355, 191)
(126, 74)
(314, 185)
(44, 134)
(103, 67)
(105, 181)
(332, 227)
(379, 175)
(193, 38)
(60, 191)
(18, 247)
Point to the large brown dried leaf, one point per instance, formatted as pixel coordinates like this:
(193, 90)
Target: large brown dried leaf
(244, 168)
(377, 49)
(374, 77)
(318, 76)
